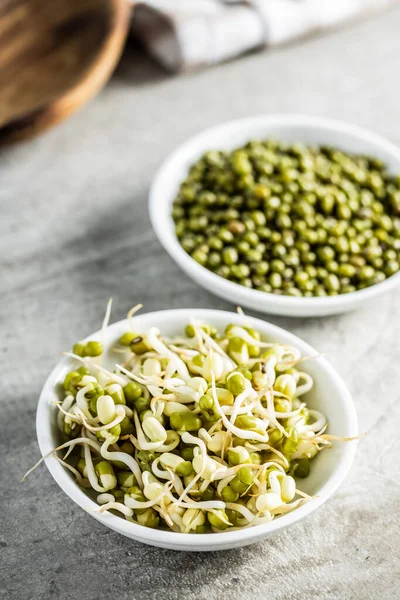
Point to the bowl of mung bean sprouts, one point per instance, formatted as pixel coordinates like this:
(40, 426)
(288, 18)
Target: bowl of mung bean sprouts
(285, 214)
(196, 429)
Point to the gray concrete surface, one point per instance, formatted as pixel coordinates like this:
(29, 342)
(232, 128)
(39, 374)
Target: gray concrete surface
(74, 230)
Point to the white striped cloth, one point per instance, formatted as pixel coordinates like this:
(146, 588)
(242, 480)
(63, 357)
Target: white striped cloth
(188, 34)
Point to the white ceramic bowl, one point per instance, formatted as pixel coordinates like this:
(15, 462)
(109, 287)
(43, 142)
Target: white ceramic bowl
(329, 395)
(289, 128)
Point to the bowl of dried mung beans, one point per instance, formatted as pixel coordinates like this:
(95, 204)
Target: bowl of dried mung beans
(287, 215)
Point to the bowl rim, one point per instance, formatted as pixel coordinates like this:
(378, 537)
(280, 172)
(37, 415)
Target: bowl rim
(248, 296)
(185, 541)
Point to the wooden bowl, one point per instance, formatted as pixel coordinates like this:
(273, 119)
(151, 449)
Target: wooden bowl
(54, 56)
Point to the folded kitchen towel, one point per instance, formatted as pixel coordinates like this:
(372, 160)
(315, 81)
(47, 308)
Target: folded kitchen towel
(187, 34)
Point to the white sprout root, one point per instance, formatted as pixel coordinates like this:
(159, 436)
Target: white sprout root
(168, 439)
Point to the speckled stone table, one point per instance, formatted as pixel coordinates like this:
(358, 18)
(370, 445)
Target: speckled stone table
(74, 231)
